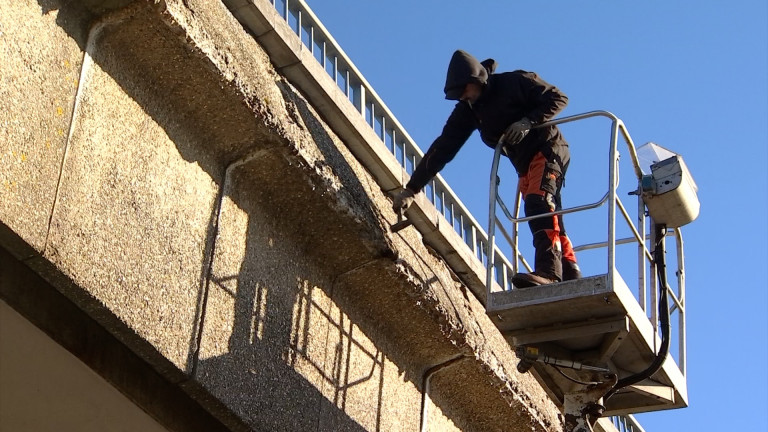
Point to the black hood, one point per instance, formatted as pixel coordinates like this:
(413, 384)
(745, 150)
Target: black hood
(464, 69)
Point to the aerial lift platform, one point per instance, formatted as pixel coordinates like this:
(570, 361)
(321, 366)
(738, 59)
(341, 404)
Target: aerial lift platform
(596, 348)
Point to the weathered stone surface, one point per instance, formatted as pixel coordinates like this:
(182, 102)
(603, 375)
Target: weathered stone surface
(150, 136)
(259, 288)
(133, 216)
(41, 52)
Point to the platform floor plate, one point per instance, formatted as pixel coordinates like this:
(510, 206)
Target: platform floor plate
(594, 321)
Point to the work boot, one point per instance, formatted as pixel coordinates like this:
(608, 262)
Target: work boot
(571, 270)
(547, 263)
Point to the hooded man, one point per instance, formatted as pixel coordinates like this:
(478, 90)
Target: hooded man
(509, 104)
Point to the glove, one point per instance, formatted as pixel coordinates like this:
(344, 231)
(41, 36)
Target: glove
(402, 200)
(517, 131)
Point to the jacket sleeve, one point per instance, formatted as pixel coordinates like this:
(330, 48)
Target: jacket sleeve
(545, 99)
(457, 129)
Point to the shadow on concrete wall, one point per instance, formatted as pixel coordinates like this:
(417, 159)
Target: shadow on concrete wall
(269, 376)
(295, 345)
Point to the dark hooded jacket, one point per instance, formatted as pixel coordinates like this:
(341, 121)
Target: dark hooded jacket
(506, 98)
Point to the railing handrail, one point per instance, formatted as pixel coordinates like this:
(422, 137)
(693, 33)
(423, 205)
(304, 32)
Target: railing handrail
(639, 237)
(616, 124)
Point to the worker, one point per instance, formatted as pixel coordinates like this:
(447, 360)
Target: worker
(509, 105)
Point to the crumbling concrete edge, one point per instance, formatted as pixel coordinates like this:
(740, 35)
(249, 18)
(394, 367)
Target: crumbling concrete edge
(482, 349)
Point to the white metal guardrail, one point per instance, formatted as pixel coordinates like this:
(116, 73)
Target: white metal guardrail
(626, 423)
(646, 290)
(502, 273)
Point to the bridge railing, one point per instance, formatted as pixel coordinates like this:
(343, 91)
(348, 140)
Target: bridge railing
(626, 423)
(393, 136)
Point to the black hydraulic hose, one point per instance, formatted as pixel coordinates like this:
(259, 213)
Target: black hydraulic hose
(661, 269)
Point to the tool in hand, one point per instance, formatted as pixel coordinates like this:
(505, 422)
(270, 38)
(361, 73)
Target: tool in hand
(402, 222)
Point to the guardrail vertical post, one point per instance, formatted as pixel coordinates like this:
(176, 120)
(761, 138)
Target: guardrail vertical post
(299, 19)
(515, 233)
(346, 81)
(362, 100)
(383, 133)
(612, 186)
(681, 293)
(641, 253)
(492, 194)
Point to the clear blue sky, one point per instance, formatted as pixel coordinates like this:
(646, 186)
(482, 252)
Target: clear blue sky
(691, 76)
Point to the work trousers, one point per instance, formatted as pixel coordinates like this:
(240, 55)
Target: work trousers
(541, 187)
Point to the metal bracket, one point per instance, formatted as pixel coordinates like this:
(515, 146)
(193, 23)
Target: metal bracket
(582, 409)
